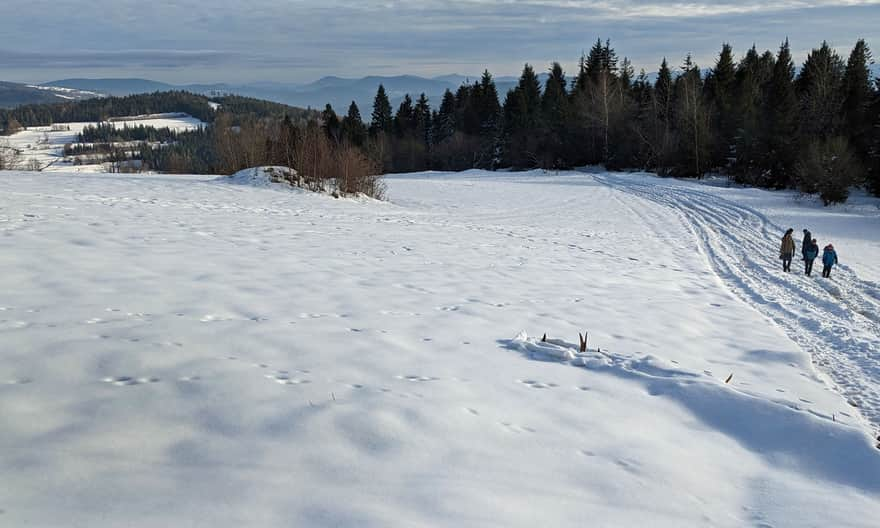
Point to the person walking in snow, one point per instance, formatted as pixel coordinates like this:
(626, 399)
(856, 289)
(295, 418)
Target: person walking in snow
(786, 251)
(829, 259)
(808, 239)
(811, 251)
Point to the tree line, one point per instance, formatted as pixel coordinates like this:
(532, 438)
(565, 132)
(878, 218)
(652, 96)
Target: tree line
(103, 109)
(757, 119)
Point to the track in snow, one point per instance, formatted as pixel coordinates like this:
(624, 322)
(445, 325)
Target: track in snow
(837, 321)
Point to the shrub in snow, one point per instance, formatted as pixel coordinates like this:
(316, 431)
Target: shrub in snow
(830, 168)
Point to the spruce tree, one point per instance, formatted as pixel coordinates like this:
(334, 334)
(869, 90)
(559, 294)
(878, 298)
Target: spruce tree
(404, 119)
(858, 95)
(332, 126)
(819, 90)
(353, 129)
(423, 122)
(554, 108)
(487, 105)
(662, 140)
(444, 124)
(692, 122)
(381, 119)
(721, 87)
(752, 75)
(781, 120)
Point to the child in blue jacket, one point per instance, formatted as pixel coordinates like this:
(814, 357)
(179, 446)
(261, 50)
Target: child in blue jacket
(829, 259)
(811, 251)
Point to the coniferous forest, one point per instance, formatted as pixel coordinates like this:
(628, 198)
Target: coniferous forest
(757, 118)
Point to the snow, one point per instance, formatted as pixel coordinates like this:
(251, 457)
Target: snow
(45, 144)
(187, 350)
(67, 93)
(270, 176)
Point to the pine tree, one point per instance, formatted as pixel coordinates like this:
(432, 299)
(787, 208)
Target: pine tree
(720, 87)
(444, 124)
(423, 120)
(554, 108)
(522, 118)
(404, 119)
(662, 140)
(692, 120)
(381, 119)
(488, 107)
(858, 94)
(781, 120)
(819, 90)
(331, 124)
(752, 75)
(353, 129)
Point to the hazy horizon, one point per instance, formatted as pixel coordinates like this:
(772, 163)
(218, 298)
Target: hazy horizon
(185, 42)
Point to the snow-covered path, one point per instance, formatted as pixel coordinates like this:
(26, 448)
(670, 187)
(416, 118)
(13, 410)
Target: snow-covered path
(837, 321)
(182, 351)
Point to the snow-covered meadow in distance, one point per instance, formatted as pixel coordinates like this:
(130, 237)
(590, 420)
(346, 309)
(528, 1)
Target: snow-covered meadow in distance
(201, 351)
(44, 145)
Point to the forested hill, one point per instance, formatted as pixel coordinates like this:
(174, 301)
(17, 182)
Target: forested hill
(198, 106)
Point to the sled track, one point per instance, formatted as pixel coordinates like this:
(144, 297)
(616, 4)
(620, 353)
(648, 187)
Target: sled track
(837, 321)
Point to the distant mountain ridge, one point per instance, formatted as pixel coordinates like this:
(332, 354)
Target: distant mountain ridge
(338, 91)
(15, 94)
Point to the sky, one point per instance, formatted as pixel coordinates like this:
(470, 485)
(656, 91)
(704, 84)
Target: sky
(236, 41)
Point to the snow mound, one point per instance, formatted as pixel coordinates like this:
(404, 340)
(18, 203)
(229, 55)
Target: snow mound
(270, 176)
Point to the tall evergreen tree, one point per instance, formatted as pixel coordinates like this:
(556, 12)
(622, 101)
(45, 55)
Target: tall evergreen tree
(692, 122)
(487, 105)
(752, 75)
(721, 90)
(444, 124)
(554, 107)
(662, 140)
(353, 129)
(331, 124)
(858, 95)
(382, 121)
(405, 118)
(780, 114)
(423, 122)
(820, 94)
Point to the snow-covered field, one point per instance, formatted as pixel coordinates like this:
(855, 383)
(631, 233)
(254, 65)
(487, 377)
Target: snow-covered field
(184, 351)
(45, 144)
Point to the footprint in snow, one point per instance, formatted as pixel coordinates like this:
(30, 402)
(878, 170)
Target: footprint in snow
(513, 428)
(537, 384)
(121, 381)
(413, 377)
(283, 377)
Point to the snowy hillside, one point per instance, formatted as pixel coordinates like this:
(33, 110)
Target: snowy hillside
(188, 351)
(44, 145)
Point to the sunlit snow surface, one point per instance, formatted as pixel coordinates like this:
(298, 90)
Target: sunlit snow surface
(184, 351)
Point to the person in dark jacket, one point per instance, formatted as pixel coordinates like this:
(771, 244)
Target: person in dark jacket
(829, 259)
(811, 251)
(786, 250)
(808, 239)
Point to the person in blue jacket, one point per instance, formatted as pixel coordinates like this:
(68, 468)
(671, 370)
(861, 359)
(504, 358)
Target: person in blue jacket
(829, 259)
(811, 251)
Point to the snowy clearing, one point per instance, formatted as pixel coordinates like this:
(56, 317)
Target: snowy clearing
(185, 350)
(45, 144)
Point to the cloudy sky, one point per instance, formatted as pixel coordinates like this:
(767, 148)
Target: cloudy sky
(298, 41)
